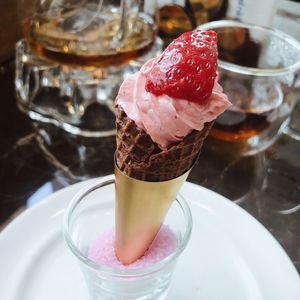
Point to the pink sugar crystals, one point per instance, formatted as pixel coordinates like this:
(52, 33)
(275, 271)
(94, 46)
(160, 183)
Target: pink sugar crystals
(102, 249)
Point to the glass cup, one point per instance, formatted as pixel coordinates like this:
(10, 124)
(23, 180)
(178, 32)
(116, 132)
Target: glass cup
(74, 56)
(90, 212)
(257, 68)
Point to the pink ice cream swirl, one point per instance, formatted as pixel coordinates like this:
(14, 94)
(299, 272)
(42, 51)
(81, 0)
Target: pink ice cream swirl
(164, 118)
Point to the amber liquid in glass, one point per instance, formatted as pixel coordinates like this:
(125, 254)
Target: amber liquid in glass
(96, 45)
(173, 19)
(233, 125)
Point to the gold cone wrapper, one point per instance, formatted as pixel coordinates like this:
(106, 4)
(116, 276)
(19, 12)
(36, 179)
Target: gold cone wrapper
(141, 207)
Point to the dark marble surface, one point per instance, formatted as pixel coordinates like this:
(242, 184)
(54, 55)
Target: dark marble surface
(37, 159)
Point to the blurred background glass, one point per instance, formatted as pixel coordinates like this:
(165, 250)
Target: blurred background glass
(257, 69)
(75, 54)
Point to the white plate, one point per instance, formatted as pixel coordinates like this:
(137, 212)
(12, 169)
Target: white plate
(230, 255)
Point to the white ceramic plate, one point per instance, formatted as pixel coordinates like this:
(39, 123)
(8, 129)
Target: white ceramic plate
(230, 255)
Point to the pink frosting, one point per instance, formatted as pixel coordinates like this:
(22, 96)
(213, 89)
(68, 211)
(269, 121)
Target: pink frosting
(164, 118)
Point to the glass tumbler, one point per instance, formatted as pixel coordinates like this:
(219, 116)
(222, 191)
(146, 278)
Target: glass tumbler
(92, 211)
(73, 57)
(257, 68)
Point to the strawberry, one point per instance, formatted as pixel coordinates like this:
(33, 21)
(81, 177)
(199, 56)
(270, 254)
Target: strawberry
(187, 68)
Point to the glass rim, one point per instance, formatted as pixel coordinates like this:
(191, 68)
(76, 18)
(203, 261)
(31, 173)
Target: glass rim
(255, 71)
(125, 273)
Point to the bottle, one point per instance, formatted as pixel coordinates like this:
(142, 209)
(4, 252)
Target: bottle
(175, 17)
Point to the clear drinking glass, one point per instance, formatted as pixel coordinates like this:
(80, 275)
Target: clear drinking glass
(92, 211)
(257, 68)
(75, 54)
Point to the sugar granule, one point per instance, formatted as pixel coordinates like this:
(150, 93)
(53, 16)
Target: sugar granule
(102, 249)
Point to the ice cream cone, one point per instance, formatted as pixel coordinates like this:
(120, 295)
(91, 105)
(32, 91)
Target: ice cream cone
(162, 119)
(147, 181)
(139, 157)
(141, 207)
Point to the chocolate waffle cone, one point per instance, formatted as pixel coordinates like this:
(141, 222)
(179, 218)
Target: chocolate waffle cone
(140, 158)
(147, 182)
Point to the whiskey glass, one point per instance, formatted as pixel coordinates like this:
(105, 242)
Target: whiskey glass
(75, 54)
(258, 69)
